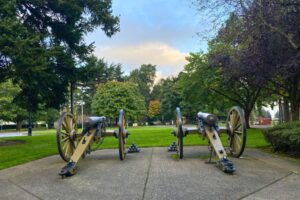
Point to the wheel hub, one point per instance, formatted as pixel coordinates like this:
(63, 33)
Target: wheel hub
(73, 135)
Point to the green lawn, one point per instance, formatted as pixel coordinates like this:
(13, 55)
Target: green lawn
(44, 143)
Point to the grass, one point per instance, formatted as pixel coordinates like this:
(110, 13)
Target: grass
(44, 143)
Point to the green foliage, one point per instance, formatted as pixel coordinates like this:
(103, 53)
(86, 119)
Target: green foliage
(9, 110)
(113, 96)
(260, 44)
(284, 137)
(195, 83)
(144, 78)
(96, 71)
(238, 80)
(169, 98)
(48, 115)
(42, 45)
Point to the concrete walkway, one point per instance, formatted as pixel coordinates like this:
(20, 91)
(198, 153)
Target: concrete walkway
(154, 174)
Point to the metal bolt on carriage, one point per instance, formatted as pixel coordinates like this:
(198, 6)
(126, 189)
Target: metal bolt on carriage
(207, 127)
(73, 145)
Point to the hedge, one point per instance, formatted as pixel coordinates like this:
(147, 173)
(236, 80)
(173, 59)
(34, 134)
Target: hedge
(284, 137)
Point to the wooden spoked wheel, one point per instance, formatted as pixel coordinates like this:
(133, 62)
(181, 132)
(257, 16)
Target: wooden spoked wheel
(179, 133)
(66, 135)
(122, 135)
(236, 130)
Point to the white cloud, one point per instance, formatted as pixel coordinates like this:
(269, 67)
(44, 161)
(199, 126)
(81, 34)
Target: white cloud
(169, 61)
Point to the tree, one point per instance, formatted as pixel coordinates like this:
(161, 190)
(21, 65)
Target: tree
(169, 98)
(9, 110)
(110, 97)
(194, 85)
(48, 115)
(144, 78)
(272, 29)
(243, 66)
(155, 92)
(154, 108)
(277, 39)
(42, 45)
(96, 72)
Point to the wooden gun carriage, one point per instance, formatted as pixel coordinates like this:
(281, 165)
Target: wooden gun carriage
(72, 145)
(207, 126)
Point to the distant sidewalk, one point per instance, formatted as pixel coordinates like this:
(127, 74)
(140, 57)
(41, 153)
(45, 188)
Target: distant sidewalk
(13, 134)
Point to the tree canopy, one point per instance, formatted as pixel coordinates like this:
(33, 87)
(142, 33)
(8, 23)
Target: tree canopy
(9, 110)
(42, 45)
(112, 96)
(144, 78)
(259, 44)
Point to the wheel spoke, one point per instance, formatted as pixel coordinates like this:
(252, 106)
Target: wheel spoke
(65, 139)
(67, 151)
(238, 132)
(231, 118)
(237, 121)
(239, 138)
(64, 145)
(64, 133)
(73, 127)
(237, 126)
(68, 123)
(71, 124)
(65, 126)
(237, 144)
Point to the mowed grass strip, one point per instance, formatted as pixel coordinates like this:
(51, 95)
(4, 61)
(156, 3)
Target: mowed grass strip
(44, 143)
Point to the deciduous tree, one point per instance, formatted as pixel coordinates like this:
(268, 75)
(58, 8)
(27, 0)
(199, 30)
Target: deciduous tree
(110, 97)
(144, 78)
(153, 108)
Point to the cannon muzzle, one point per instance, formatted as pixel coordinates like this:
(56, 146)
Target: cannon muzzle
(207, 118)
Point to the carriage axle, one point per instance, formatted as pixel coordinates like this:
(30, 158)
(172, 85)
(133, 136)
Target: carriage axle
(208, 128)
(73, 146)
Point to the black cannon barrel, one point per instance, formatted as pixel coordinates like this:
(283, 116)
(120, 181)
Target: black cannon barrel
(209, 119)
(92, 121)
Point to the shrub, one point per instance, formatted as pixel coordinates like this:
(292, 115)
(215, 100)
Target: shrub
(284, 137)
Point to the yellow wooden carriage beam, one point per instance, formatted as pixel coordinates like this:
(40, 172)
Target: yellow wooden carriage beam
(208, 127)
(73, 146)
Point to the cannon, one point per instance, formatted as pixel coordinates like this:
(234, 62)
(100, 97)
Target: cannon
(73, 145)
(207, 127)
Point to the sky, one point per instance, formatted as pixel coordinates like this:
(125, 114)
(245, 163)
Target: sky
(158, 32)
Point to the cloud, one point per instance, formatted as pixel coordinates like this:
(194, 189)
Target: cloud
(175, 23)
(169, 60)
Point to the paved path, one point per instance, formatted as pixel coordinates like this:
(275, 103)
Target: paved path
(154, 174)
(12, 134)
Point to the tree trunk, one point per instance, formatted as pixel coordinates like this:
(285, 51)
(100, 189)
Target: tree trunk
(72, 97)
(286, 110)
(294, 94)
(295, 111)
(29, 125)
(280, 114)
(247, 118)
(19, 125)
